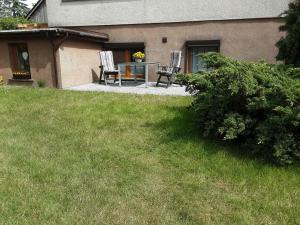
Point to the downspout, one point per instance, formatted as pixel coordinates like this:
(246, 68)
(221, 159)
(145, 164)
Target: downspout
(55, 47)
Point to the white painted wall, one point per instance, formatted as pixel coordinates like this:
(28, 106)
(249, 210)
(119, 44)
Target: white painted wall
(110, 12)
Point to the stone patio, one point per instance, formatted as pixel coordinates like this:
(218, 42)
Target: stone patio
(133, 88)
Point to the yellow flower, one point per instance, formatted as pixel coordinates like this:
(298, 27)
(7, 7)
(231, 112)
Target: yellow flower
(139, 55)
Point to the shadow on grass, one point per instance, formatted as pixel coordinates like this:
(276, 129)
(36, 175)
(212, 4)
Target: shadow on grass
(182, 128)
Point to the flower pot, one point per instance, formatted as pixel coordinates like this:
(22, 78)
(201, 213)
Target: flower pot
(139, 60)
(21, 76)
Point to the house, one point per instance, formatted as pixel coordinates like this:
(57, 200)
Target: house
(60, 57)
(65, 54)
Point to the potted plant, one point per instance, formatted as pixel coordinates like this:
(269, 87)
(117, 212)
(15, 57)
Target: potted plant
(139, 56)
(21, 75)
(1, 80)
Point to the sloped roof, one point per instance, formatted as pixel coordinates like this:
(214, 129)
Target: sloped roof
(34, 8)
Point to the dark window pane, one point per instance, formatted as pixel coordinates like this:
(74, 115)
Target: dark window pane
(19, 60)
(197, 62)
(123, 55)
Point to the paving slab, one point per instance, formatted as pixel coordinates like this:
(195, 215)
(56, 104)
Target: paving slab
(132, 88)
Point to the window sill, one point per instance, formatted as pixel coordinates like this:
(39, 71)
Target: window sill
(20, 82)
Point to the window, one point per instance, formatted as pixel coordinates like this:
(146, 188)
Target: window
(19, 61)
(195, 49)
(123, 53)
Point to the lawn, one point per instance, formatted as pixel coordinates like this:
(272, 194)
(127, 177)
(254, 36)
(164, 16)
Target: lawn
(94, 158)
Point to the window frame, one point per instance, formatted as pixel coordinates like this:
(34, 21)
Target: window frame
(127, 48)
(198, 43)
(15, 61)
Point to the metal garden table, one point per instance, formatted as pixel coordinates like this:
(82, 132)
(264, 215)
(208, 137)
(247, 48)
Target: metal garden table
(145, 64)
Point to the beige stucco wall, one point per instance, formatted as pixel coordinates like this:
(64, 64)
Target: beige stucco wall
(242, 39)
(40, 58)
(5, 70)
(79, 63)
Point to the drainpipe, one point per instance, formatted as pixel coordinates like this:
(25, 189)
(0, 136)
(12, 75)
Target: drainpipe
(55, 47)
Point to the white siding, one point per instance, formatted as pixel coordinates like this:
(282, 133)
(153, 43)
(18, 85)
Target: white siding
(110, 12)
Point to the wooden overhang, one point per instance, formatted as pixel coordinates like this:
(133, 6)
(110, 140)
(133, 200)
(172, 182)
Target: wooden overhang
(125, 45)
(197, 43)
(55, 33)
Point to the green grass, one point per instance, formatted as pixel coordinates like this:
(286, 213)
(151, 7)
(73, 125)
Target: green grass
(95, 158)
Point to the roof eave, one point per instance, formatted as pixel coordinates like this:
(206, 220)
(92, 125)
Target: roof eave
(54, 32)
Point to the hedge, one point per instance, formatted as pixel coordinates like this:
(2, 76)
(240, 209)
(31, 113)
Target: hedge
(254, 104)
(11, 23)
